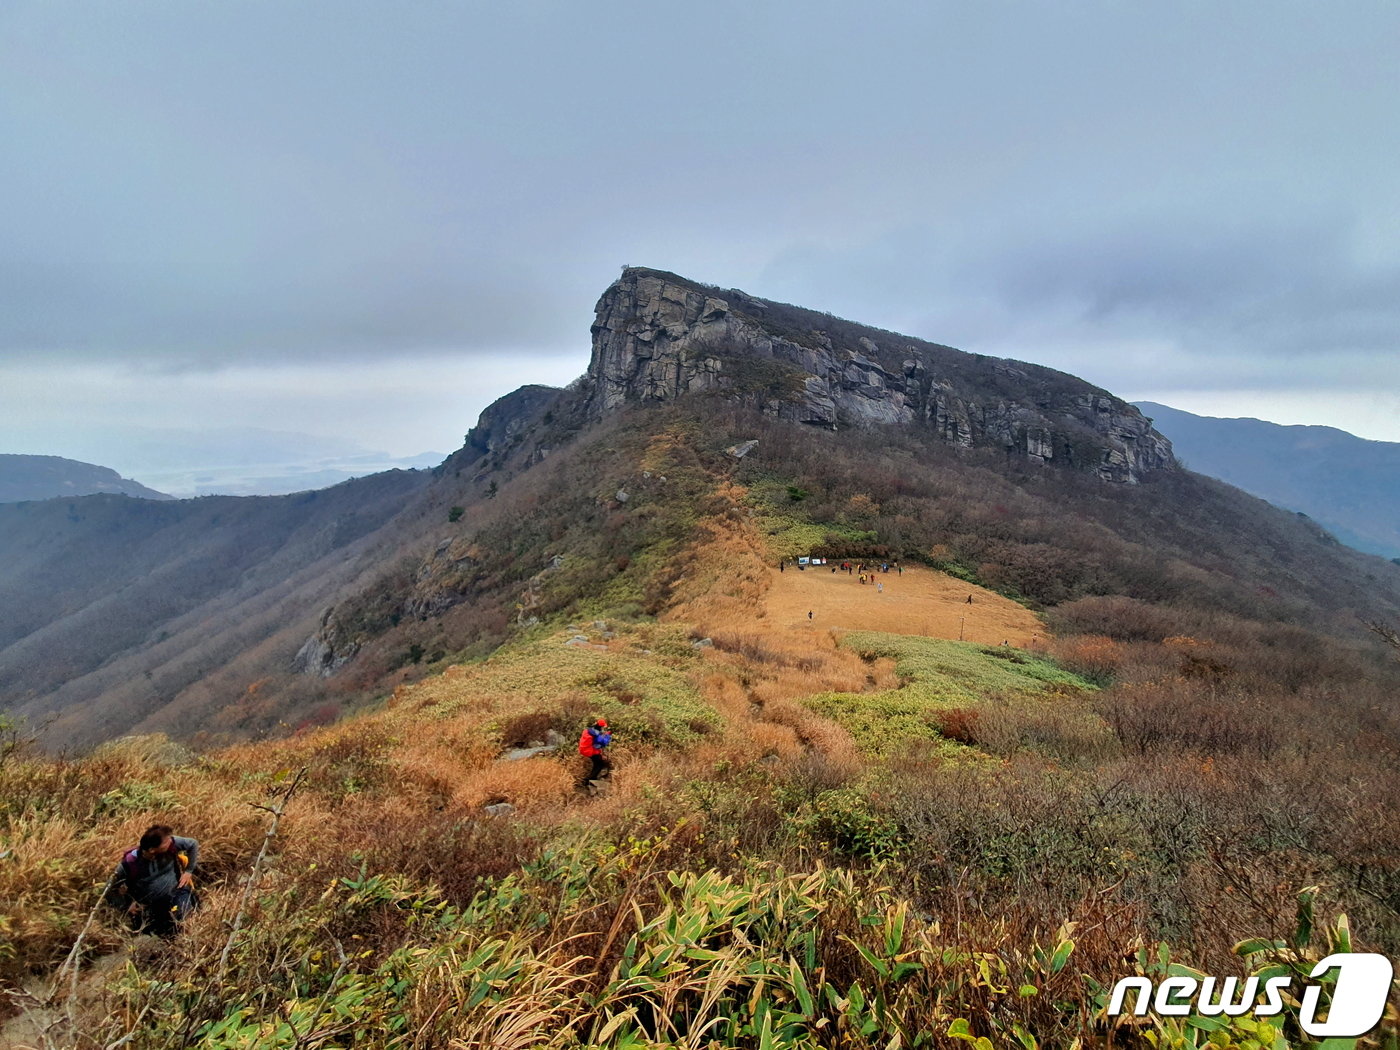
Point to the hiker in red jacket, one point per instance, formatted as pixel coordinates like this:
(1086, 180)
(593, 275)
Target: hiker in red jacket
(591, 745)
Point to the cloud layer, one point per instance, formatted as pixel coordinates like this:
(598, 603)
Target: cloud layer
(1184, 198)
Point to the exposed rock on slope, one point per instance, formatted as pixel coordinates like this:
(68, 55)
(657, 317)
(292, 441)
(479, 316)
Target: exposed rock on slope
(657, 336)
(507, 417)
(432, 580)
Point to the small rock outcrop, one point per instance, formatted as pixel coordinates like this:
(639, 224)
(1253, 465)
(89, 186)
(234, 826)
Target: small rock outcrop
(326, 651)
(507, 417)
(657, 336)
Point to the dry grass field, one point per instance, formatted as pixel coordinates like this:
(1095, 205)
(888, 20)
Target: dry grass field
(921, 601)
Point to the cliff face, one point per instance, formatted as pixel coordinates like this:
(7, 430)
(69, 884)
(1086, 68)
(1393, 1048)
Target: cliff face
(657, 336)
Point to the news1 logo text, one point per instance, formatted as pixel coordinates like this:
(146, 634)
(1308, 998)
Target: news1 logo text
(1358, 995)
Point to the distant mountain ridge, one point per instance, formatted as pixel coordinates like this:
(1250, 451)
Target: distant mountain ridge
(26, 477)
(218, 461)
(1347, 484)
(284, 477)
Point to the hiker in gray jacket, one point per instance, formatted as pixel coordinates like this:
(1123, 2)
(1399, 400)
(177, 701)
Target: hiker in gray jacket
(155, 881)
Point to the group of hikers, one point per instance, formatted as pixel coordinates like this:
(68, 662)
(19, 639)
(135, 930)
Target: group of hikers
(866, 570)
(153, 885)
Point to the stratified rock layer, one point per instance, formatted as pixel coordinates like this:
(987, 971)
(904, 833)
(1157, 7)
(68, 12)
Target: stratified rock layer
(657, 336)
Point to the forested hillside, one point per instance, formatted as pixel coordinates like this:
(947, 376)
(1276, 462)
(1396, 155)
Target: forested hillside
(1349, 485)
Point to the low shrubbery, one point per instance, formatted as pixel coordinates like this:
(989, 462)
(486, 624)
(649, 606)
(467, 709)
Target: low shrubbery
(945, 686)
(622, 942)
(882, 841)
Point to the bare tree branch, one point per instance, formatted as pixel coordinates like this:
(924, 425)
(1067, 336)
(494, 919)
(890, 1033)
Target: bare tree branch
(276, 812)
(1385, 633)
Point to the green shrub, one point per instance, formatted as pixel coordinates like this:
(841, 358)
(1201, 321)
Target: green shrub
(844, 820)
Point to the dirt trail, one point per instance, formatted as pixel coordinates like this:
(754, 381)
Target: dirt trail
(42, 1022)
(921, 601)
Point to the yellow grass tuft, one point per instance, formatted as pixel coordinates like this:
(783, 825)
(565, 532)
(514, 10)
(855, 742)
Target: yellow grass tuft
(528, 783)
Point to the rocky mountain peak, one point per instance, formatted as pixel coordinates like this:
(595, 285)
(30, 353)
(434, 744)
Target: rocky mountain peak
(657, 336)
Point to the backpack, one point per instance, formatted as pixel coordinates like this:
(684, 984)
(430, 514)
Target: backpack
(132, 858)
(592, 741)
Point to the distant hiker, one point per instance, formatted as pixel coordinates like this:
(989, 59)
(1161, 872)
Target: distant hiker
(969, 599)
(880, 587)
(899, 569)
(782, 565)
(809, 614)
(591, 746)
(155, 881)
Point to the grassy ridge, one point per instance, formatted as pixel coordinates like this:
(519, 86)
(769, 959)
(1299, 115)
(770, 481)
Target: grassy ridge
(944, 686)
(766, 872)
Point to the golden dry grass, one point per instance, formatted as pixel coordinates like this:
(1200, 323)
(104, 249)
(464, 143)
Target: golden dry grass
(399, 794)
(533, 782)
(921, 601)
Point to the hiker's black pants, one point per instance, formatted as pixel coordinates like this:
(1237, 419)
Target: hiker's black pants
(598, 765)
(162, 913)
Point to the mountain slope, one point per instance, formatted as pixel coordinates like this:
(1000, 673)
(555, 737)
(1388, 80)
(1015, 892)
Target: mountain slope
(25, 477)
(1349, 485)
(111, 609)
(228, 617)
(832, 821)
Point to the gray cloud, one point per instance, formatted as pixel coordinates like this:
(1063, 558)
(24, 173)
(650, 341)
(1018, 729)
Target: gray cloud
(1160, 198)
(1191, 298)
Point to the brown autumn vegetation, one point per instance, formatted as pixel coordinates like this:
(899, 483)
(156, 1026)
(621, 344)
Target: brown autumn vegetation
(757, 877)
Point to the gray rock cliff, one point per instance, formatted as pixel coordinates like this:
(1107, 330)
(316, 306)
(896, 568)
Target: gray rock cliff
(657, 336)
(507, 417)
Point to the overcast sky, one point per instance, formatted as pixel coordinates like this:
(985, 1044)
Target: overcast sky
(367, 220)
